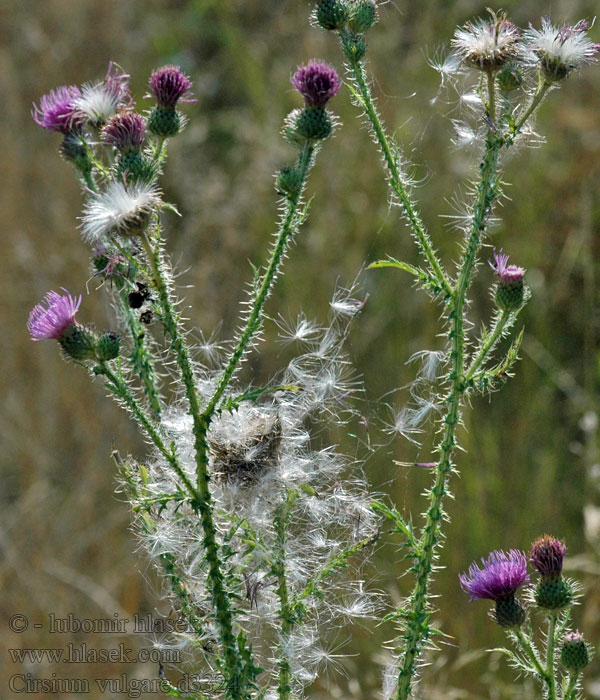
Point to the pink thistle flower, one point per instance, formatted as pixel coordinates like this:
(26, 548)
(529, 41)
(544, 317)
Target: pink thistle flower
(125, 130)
(170, 85)
(50, 319)
(507, 274)
(317, 82)
(547, 554)
(57, 109)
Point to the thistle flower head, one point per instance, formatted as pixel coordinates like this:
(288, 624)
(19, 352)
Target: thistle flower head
(169, 85)
(507, 274)
(50, 319)
(99, 101)
(547, 554)
(500, 576)
(125, 131)
(122, 209)
(487, 44)
(317, 82)
(57, 110)
(575, 652)
(561, 50)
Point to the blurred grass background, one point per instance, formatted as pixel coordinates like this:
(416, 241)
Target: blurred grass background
(531, 461)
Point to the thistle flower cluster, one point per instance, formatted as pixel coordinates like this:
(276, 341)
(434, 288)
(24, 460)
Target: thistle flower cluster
(499, 579)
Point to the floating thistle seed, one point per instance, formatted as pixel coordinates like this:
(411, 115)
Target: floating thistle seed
(245, 458)
(363, 15)
(108, 347)
(331, 14)
(561, 50)
(487, 44)
(546, 555)
(499, 578)
(510, 290)
(575, 652)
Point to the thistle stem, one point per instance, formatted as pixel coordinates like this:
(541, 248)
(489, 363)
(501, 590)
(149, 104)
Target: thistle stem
(570, 691)
(120, 389)
(140, 358)
(286, 230)
(491, 85)
(535, 101)
(202, 503)
(489, 343)
(527, 647)
(395, 176)
(418, 630)
(550, 644)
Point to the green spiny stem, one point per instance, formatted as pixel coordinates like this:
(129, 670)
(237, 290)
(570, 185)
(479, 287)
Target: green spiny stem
(550, 646)
(140, 357)
(286, 616)
(488, 344)
(527, 647)
(570, 692)
(120, 389)
(203, 504)
(395, 177)
(169, 564)
(89, 180)
(418, 619)
(491, 85)
(253, 323)
(538, 96)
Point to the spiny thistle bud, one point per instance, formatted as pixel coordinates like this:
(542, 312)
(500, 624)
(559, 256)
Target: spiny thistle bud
(502, 574)
(74, 150)
(288, 181)
(331, 14)
(354, 46)
(546, 555)
(363, 15)
(108, 347)
(125, 131)
(575, 652)
(169, 85)
(510, 290)
(313, 123)
(78, 342)
(510, 78)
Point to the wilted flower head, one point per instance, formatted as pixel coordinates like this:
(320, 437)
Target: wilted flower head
(98, 101)
(561, 49)
(317, 82)
(53, 316)
(506, 273)
(57, 109)
(125, 130)
(547, 554)
(120, 210)
(170, 85)
(487, 44)
(500, 577)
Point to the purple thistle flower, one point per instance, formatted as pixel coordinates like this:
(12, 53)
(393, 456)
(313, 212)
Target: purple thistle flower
(125, 130)
(317, 82)
(547, 554)
(57, 109)
(500, 577)
(507, 273)
(170, 85)
(50, 319)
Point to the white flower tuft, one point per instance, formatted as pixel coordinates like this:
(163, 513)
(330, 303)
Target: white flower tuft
(487, 44)
(119, 210)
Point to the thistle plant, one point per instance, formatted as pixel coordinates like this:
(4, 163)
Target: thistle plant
(558, 665)
(257, 528)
